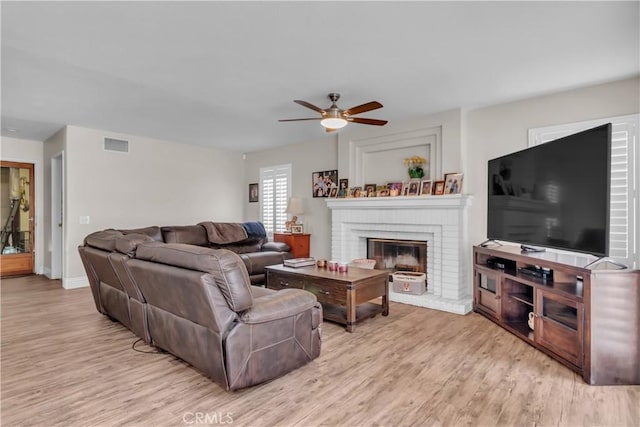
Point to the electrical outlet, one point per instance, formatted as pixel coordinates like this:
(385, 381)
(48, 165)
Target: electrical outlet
(85, 219)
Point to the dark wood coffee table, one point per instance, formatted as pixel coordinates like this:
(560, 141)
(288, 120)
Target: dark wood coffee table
(345, 297)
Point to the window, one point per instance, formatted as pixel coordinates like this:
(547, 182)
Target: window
(624, 231)
(275, 187)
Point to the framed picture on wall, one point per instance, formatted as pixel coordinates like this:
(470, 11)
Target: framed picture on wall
(253, 192)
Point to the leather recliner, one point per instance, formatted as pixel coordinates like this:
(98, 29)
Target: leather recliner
(198, 304)
(203, 309)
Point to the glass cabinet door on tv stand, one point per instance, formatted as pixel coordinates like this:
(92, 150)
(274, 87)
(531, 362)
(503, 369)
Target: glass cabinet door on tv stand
(559, 323)
(487, 292)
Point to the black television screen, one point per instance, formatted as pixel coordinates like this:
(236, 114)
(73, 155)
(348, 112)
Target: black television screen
(555, 194)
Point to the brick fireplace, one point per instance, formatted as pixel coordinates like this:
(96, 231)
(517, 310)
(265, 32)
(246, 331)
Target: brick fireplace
(440, 221)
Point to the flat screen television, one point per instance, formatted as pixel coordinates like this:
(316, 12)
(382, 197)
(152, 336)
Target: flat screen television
(554, 195)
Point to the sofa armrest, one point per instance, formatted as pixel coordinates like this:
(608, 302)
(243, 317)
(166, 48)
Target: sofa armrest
(276, 246)
(278, 305)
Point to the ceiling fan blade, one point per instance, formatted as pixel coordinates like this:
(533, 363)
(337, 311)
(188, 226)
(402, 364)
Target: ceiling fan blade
(298, 120)
(308, 105)
(369, 106)
(364, 121)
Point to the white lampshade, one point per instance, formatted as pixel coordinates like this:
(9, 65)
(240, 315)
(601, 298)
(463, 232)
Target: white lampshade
(333, 119)
(333, 123)
(295, 206)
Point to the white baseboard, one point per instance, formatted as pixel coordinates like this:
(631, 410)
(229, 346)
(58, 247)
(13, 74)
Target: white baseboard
(46, 271)
(75, 282)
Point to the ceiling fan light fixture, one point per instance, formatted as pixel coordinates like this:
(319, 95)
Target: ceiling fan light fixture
(333, 122)
(334, 118)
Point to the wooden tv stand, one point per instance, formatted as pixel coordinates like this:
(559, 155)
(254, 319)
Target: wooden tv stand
(589, 320)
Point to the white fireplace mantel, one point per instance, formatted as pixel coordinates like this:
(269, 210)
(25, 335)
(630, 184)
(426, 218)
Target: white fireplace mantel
(453, 201)
(441, 221)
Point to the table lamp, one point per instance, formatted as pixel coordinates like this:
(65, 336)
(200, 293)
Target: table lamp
(294, 208)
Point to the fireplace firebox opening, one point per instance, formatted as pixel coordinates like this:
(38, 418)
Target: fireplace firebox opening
(398, 255)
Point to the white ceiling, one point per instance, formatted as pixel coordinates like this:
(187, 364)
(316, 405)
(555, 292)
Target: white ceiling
(223, 73)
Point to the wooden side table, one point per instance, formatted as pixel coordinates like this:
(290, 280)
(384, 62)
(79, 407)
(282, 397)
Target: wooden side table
(299, 243)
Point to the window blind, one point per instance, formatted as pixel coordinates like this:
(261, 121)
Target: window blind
(623, 227)
(275, 190)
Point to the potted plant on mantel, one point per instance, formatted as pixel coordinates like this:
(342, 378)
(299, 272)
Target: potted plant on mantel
(415, 166)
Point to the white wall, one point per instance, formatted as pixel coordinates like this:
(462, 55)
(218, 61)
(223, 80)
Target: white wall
(305, 158)
(155, 183)
(501, 129)
(28, 151)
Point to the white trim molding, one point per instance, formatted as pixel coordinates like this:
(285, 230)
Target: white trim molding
(75, 282)
(426, 142)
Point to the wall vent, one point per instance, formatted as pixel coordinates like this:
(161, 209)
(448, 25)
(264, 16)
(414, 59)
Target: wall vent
(119, 145)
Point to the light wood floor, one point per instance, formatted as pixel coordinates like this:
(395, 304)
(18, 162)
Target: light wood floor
(65, 364)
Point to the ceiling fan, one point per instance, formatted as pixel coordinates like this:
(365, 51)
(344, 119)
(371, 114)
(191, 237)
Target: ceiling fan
(334, 118)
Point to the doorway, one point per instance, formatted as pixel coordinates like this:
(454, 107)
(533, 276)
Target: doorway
(17, 211)
(57, 215)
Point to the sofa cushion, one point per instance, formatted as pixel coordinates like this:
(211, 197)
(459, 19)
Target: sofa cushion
(257, 261)
(276, 246)
(128, 243)
(188, 234)
(154, 232)
(105, 240)
(240, 248)
(225, 266)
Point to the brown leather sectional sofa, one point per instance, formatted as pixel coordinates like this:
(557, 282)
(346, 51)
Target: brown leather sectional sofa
(198, 303)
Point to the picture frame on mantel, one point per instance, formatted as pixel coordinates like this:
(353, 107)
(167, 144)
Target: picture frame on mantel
(343, 188)
(370, 190)
(453, 183)
(323, 181)
(426, 187)
(414, 188)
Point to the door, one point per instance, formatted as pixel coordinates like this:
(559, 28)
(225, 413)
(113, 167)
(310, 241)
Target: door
(559, 325)
(17, 212)
(488, 292)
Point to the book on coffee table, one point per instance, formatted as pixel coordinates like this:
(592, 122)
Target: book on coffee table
(299, 262)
